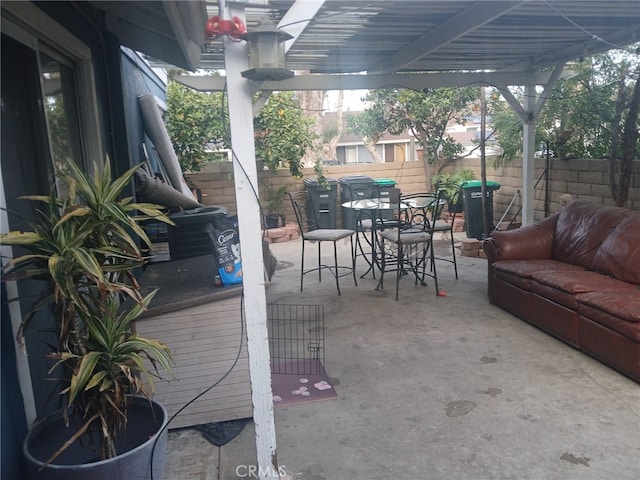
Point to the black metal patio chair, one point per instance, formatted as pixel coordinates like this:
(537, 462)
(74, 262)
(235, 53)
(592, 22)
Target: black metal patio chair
(306, 216)
(444, 226)
(408, 247)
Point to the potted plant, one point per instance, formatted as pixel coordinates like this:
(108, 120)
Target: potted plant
(84, 246)
(450, 183)
(274, 208)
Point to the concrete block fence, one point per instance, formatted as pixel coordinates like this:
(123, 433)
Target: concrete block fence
(580, 178)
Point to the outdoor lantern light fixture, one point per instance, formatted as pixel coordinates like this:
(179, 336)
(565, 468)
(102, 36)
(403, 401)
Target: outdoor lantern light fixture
(266, 53)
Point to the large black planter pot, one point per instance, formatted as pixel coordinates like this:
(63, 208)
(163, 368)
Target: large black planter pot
(78, 461)
(456, 207)
(274, 221)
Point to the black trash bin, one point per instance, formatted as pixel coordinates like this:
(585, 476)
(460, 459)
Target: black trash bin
(354, 187)
(472, 194)
(321, 202)
(382, 187)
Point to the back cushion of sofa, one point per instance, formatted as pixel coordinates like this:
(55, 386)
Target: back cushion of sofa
(619, 254)
(582, 227)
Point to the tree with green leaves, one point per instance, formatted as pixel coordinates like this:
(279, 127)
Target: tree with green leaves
(624, 145)
(590, 114)
(283, 133)
(578, 116)
(425, 113)
(198, 124)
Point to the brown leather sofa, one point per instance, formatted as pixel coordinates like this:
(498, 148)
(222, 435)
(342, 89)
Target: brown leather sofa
(576, 275)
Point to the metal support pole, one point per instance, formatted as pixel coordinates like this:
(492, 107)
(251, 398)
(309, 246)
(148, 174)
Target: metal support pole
(546, 182)
(486, 221)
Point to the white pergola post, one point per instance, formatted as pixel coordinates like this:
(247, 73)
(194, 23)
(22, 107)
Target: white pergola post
(528, 113)
(528, 162)
(245, 175)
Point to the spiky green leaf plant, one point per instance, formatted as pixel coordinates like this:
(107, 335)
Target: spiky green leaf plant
(112, 368)
(86, 245)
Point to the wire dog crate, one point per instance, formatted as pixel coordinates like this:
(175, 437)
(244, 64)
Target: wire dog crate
(296, 338)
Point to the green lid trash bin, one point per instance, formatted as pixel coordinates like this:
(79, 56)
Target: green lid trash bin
(382, 186)
(472, 195)
(387, 182)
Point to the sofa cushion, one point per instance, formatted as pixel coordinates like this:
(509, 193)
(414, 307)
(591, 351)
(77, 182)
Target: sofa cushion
(581, 228)
(519, 272)
(564, 287)
(619, 254)
(617, 310)
(530, 242)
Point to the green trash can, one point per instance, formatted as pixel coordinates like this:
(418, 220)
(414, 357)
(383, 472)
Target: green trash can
(382, 186)
(472, 195)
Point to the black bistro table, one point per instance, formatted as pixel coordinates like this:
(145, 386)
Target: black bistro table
(368, 218)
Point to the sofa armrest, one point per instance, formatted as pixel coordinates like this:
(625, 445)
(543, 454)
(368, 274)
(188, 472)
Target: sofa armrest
(530, 242)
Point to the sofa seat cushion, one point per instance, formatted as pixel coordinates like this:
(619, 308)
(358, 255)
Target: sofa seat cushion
(563, 287)
(617, 310)
(520, 272)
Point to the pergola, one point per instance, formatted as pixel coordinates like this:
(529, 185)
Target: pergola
(366, 44)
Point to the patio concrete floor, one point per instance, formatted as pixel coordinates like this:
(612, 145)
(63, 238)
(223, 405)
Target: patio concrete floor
(435, 388)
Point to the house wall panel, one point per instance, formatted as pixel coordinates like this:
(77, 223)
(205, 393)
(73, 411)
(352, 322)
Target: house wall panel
(204, 341)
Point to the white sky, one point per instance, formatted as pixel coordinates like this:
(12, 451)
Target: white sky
(351, 100)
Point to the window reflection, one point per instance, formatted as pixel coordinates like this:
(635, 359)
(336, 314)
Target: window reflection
(58, 86)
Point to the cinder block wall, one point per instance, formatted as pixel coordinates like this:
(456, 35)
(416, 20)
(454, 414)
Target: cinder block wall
(217, 184)
(580, 178)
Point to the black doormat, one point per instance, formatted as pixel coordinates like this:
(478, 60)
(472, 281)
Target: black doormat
(221, 433)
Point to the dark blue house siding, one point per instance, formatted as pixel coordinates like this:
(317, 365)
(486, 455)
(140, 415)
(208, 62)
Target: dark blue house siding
(120, 77)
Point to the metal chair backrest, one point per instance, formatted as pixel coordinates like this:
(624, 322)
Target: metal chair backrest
(454, 201)
(359, 192)
(305, 217)
(394, 195)
(419, 211)
(394, 202)
(436, 208)
(353, 194)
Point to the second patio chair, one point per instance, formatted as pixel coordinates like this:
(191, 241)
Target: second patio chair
(307, 218)
(360, 219)
(408, 247)
(444, 226)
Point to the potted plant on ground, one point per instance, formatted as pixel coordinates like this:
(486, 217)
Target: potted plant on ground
(84, 246)
(274, 205)
(450, 183)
